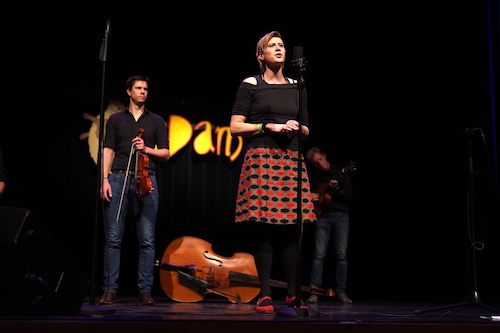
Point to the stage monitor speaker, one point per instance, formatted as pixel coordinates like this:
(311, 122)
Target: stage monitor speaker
(38, 278)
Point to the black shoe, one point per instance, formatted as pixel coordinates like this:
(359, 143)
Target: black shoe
(146, 299)
(342, 298)
(313, 299)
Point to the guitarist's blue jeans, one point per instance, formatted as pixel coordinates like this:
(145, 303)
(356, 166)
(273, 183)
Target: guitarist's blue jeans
(334, 224)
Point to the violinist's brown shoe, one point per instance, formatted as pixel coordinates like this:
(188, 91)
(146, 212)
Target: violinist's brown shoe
(107, 298)
(147, 299)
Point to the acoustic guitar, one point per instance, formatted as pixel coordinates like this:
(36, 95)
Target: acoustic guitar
(324, 195)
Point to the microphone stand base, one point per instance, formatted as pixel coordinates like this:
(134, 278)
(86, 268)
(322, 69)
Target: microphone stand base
(292, 312)
(97, 310)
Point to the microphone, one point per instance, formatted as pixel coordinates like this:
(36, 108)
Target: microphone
(299, 62)
(106, 33)
(298, 52)
(103, 53)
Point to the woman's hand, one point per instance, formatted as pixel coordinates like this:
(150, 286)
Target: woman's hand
(288, 127)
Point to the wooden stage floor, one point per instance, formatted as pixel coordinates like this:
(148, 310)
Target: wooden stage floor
(216, 315)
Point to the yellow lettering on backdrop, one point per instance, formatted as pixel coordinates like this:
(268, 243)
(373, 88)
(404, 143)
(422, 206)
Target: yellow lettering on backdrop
(229, 138)
(179, 133)
(203, 142)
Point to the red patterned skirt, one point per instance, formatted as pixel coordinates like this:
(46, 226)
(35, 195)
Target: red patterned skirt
(267, 190)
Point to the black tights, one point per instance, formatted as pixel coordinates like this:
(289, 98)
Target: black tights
(276, 238)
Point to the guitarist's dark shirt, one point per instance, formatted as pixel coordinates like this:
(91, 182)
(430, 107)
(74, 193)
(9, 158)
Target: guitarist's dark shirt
(341, 195)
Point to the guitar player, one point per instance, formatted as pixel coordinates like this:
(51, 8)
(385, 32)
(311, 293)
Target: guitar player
(333, 194)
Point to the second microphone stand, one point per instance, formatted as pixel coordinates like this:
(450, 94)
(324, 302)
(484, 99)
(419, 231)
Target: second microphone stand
(103, 55)
(473, 298)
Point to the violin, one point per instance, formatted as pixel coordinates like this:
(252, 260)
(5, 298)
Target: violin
(190, 269)
(144, 182)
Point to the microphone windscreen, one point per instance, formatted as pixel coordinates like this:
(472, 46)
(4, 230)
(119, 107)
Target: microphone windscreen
(298, 52)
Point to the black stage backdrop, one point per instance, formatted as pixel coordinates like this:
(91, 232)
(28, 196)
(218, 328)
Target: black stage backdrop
(391, 86)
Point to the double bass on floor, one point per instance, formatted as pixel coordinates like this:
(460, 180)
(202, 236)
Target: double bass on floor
(190, 269)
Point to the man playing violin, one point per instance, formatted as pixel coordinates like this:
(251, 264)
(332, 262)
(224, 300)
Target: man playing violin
(129, 142)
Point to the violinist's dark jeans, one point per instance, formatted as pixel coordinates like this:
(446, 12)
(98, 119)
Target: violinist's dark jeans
(336, 225)
(145, 213)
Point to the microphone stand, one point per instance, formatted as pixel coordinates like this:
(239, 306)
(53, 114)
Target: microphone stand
(103, 54)
(473, 298)
(300, 64)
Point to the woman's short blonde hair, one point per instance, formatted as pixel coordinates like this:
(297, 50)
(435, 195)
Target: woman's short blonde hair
(262, 44)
